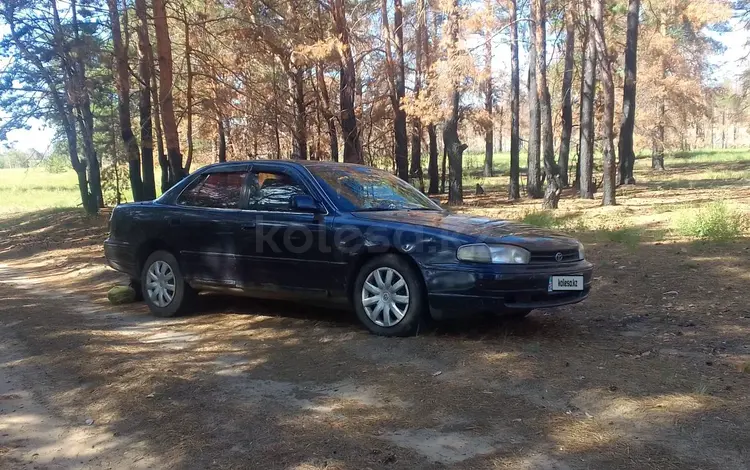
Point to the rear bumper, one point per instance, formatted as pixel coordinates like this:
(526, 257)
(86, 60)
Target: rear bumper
(121, 256)
(464, 291)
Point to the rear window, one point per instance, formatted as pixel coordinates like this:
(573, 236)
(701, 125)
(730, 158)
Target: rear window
(217, 190)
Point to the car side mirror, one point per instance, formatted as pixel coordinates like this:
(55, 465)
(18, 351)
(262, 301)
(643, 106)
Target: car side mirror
(305, 203)
(436, 201)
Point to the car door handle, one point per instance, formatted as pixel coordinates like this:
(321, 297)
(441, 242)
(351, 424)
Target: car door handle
(248, 226)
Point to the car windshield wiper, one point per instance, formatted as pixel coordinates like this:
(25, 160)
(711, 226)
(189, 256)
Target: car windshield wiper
(375, 209)
(380, 209)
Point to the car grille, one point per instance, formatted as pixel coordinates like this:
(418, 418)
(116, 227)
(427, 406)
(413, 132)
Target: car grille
(551, 256)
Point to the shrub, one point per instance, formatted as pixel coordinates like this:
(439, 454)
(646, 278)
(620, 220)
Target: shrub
(715, 221)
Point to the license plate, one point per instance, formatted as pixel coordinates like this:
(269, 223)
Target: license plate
(561, 283)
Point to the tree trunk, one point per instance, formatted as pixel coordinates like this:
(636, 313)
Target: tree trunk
(348, 84)
(567, 91)
(188, 91)
(144, 101)
(402, 139)
(551, 170)
(86, 117)
(627, 124)
(587, 111)
(222, 140)
(432, 167)
(328, 115)
(122, 83)
(432, 164)
(156, 114)
(608, 87)
(415, 169)
(444, 171)
(454, 149)
(299, 147)
(80, 167)
(501, 124)
(657, 155)
(276, 112)
(489, 144)
(115, 158)
(582, 94)
(533, 173)
(514, 187)
(395, 71)
(164, 49)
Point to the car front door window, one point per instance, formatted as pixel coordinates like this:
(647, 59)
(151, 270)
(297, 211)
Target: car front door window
(272, 191)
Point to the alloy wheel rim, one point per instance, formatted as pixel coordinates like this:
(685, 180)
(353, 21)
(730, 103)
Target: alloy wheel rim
(160, 283)
(385, 297)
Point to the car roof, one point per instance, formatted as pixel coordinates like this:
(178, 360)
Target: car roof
(286, 161)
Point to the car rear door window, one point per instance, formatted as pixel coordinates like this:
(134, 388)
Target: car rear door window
(269, 191)
(221, 190)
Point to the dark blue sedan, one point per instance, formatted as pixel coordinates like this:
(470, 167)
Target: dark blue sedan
(339, 234)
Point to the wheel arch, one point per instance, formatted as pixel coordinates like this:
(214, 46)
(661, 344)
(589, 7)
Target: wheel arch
(364, 258)
(149, 246)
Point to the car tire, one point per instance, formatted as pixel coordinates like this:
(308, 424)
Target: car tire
(163, 288)
(388, 306)
(135, 284)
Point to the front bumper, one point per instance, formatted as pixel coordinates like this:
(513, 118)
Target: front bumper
(122, 257)
(461, 290)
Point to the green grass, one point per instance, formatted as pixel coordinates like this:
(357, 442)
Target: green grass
(707, 156)
(569, 221)
(545, 219)
(24, 190)
(716, 221)
(474, 164)
(600, 228)
(628, 236)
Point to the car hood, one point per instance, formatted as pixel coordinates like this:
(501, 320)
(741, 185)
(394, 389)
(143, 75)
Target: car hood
(484, 229)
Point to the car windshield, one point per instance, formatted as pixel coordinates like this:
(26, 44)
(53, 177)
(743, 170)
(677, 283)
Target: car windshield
(359, 188)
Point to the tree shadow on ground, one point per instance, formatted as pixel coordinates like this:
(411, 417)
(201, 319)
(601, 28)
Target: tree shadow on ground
(649, 365)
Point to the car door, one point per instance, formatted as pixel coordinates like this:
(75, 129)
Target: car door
(206, 225)
(286, 251)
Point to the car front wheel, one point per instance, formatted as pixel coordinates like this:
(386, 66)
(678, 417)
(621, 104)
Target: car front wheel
(165, 291)
(389, 296)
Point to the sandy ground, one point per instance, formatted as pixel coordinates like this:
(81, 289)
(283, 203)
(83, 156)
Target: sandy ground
(654, 380)
(651, 372)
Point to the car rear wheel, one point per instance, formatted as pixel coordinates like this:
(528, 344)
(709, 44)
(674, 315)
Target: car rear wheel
(389, 296)
(165, 291)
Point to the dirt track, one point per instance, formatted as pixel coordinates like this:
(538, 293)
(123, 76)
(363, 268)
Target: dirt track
(657, 380)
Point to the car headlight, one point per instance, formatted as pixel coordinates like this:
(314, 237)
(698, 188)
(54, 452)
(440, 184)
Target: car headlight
(581, 251)
(495, 254)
